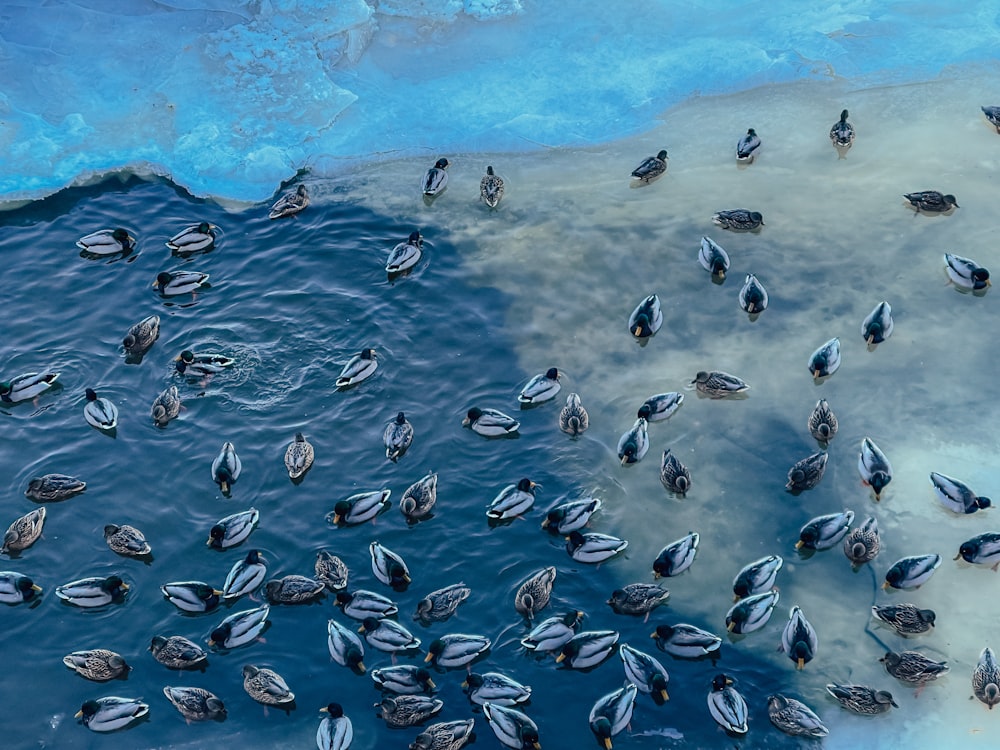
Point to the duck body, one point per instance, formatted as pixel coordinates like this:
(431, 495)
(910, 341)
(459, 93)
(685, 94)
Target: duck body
(191, 596)
(727, 706)
(166, 406)
(408, 710)
(490, 422)
(593, 547)
(405, 255)
(644, 671)
(862, 699)
(822, 422)
(686, 641)
(757, 577)
(439, 605)
(826, 360)
(713, 258)
(677, 556)
(97, 664)
(911, 572)
(553, 633)
(611, 713)
(491, 188)
(573, 418)
(194, 703)
(512, 501)
(196, 238)
(718, 384)
(202, 364)
(53, 487)
(863, 542)
(798, 639)
(331, 570)
(24, 532)
(107, 242)
(931, 201)
(747, 147)
(877, 327)
(983, 549)
(111, 713)
(913, 667)
(299, 456)
(634, 443)
(240, 628)
(266, 686)
(905, 619)
(956, 496)
(966, 273)
(93, 592)
(436, 179)
(17, 587)
(738, 220)
(794, 717)
(445, 735)
(512, 728)
(245, 576)
(345, 646)
(419, 498)
(752, 613)
(541, 387)
(403, 679)
(993, 115)
(646, 318)
(176, 283)
(126, 540)
(141, 336)
(661, 406)
(360, 367)
(571, 516)
(388, 635)
(807, 473)
(335, 731)
(293, 589)
(651, 167)
(362, 604)
(533, 595)
(674, 475)
(588, 648)
(753, 296)
(456, 650)
(495, 688)
(397, 437)
(823, 532)
(234, 529)
(638, 598)
(842, 133)
(359, 508)
(27, 386)
(290, 203)
(874, 467)
(387, 566)
(986, 679)
(177, 652)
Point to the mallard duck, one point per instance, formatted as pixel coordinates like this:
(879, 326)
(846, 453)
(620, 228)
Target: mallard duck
(445, 735)
(757, 577)
(993, 115)
(245, 576)
(126, 540)
(405, 255)
(931, 201)
(331, 570)
(633, 443)
(862, 544)
(16, 588)
(826, 360)
(512, 501)
(541, 387)
(753, 296)
(419, 498)
(97, 664)
(191, 596)
(798, 639)
(53, 487)
(491, 188)
(676, 557)
(588, 648)
(822, 422)
(674, 475)
(335, 731)
(862, 699)
(875, 469)
(905, 619)
(388, 635)
(877, 327)
(686, 641)
(842, 132)
(93, 592)
(361, 604)
(738, 220)
(111, 712)
(986, 679)
(495, 688)
(727, 706)
(359, 508)
(233, 530)
(298, 457)
(573, 418)
(645, 672)
(646, 318)
(196, 238)
(226, 468)
(439, 605)
(407, 710)
(436, 179)
(290, 203)
(202, 364)
(388, 567)
(552, 633)
(27, 386)
(176, 283)
(490, 422)
(403, 679)
(533, 595)
(345, 647)
(456, 650)
(966, 273)
(107, 242)
(956, 496)
(661, 406)
(177, 652)
(571, 516)
(397, 437)
(638, 599)
(746, 149)
(293, 589)
(23, 532)
(794, 717)
(752, 613)
(823, 532)
(99, 412)
(983, 549)
(713, 258)
(240, 628)
(593, 547)
(913, 667)
(511, 727)
(141, 336)
(166, 406)
(611, 713)
(718, 384)
(360, 367)
(911, 572)
(266, 686)
(651, 167)
(195, 703)
(806, 474)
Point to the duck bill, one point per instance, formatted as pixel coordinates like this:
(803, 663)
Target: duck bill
(663, 694)
(35, 587)
(336, 518)
(361, 667)
(885, 586)
(78, 714)
(428, 658)
(801, 663)
(607, 743)
(560, 658)
(624, 459)
(731, 627)
(124, 586)
(466, 422)
(799, 544)
(324, 710)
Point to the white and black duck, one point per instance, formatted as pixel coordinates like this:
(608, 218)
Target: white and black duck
(748, 146)
(874, 467)
(752, 613)
(17, 587)
(192, 596)
(677, 556)
(645, 672)
(753, 296)
(93, 592)
(713, 258)
(661, 406)
(359, 368)
(245, 576)
(361, 604)
(359, 508)
(397, 437)
(540, 388)
(405, 255)
(226, 468)
(335, 730)
(345, 646)
(611, 713)
(983, 549)
(388, 566)
(571, 516)
(825, 360)
(234, 529)
(495, 688)
(512, 501)
(388, 635)
(111, 713)
(436, 179)
(588, 648)
(634, 443)
(403, 679)
(877, 327)
(456, 650)
(490, 422)
(512, 728)
(911, 572)
(646, 318)
(552, 633)
(686, 641)
(593, 547)
(957, 496)
(993, 115)
(202, 364)
(196, 238)
(798, 639)
(966, 273)
(727, 706)
(240, 628)
(757, 577)
(107, 242)
(823, 532)
(26, 387)
(176, 283)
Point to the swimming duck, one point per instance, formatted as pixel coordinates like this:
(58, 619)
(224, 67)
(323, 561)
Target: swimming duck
(931, 201)
(727, 706)
(913, 667)
(611, 713)
(490, 422)
(757, 577)
(747, 147)
(983, 549)
(863, 542)
(191, 596)
(107, 242)
(794, 717)
(141, 336)
(677, 556)
(491, 188)
(661, 406)
(16, 588)
(862, 699)
(956, 496)
(753, 296)
(361, 604)
(993, 115)
(100, 413)
(823, 532)
(911, 572)
(593, 547)
(177, 652)
(905, 619)
(822, 422)
(27, 386)
(588, 648)
(436, 179)
(674, 475)
(111, 712)
(752, 613)
(196, 238)
(360, 367)
(293, 589)
(824, 361)
(388, 567)
(512, 501)
(875, 469)
(645, 672)
(93, 592)
(533, 595)
(646, 318)
(335, 731)
(495, 688)
(290, 203)
(877, 327)
(541, 387)
(571, 516)
(126, 540)
(445, 735)
(456, 650)
(986, 679)
(234, 529)
(240, 628)
(166, 406)
(842, 132)
(633, 443)
(202, 364)
(98, 664)
(439, 605)
(686, 641)
(345, 647)
(226, 468)
(638, 599)
(359, 508)
(405, 255)
(512, 728)
(966, 273)
(807, 473)
(573, 418)
(553, 633)
(195, 703)
(266, 686)
(53, 487)
(388, 635)
(798, 639)
(298, 457)
(23, 532)
(651, 167)
(738, 220)
(176, 283)
(397, 437)
(403, 679)
(718, 384)
(713, 258)
(419, 498)
(331, 570)
(245, 576)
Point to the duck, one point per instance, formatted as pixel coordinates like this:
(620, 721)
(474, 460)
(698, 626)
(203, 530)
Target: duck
(571, 516)
(361, 604)
(798, 639)
(403, 679)
(299, 457)
(993, 115)
(195, 238)
(111, 713)
(573, 417)
(638, 599)
(27, 386)
(345, 646)
(552, 633)
(405, 255)
(877, 327)
(234, 529)
(397, 437)
(202, 364)
(588, 648)
(16, 588)
(718, 384)
(713, 258)
(293, 589)
(97, 664)
(752, 613)
(407, 710)
(727, 706)
(738, 220)
(753, 296)
(956, 496)
(905, 619)
(290, 203)
(387, 566)
(651, 167)
(126, 540)
(93, 592)
(986, 679)
(491, 188)
(266, 686)
(192, 596)
(177, 652)
(661, 406)
(826, 360)
(388, 635)
(863, 542)
(674, 475)
(512, 728)
(456, 650)
(875, 469)
(176, 283)
(747, 147)
(634, 443)
(512, 501)
(240, 628)
(611, 713)
(911, 572)
(419, 498)
(245, 576)
(822, 422)
(54, 487)
(141, 336)
(646, 318)
(490, 422)
(794, 717)
(166, 406)
(645, 672)
(677, 556)
(686, 641)
(195, 703)
(757, 577)
(24, 532)
(495, 688)
(913, 667)
(533, 595)
(436, 179)
(335, 731)
(360, 367)
(842, 132)
(331, 570)
(542, 387)
(806, 474)
(931, 201)
(226, 468)
(441, 604)
(862, 699)
(823, 532)
(593, 547)
(445, 735)
(359, 508)
(107, 242)
(966, 273)
(983, 549)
